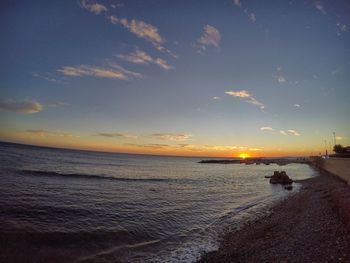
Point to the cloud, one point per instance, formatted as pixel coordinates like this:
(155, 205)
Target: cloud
(280, 78)
(171, 137)
(116, 72)
(283, 132)
(241, 93)
(297, 105)
(143, 30)
(267, 129)
(319, 6)
(56, 104)
(117, 5)
(341, 28)
(294, 132)
(141, 57)
(151, 145)
(217, 148)
(45, 133)
(252, 17)
(25, 107)
(290, 132)
(216, 98)
(48, 78)
(254, 149)
(246, 95)
(117, 135)
(95, 8)
(211, 37)
(255, 102)
(339, 138)
(237, 3)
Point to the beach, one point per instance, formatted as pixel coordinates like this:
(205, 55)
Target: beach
(310, 226)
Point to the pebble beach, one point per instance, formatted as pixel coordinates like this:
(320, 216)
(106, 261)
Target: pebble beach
(311, 226)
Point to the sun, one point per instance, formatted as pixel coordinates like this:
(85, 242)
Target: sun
(243, 155)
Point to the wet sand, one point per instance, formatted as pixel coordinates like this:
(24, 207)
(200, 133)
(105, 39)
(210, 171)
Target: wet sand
(310, 226)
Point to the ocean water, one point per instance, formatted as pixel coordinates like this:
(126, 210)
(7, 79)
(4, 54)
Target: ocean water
(62, 205)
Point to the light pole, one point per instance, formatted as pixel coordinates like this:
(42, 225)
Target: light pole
(335, 139)
(325, 146)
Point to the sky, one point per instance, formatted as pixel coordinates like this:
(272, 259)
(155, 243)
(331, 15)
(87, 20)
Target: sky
(192, 78)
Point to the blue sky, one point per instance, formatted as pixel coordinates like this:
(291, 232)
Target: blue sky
(176, 77)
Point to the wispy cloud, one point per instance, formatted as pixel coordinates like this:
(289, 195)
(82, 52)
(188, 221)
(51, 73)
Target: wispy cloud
(237, 3)
(267, 128)
(117, 5)
(56, 104)
(240, 94)
(93, 7)
(171, 136)
(150, 145)
(48, 78)
(217, 148)
(141, 57)
(117, 135)
(143, 30)
(339, 138)
(341, 28)
(294, 132)
(254, 149)
(115, 72)
(290, 132)
(45, 133)
(210, 37)
(297, 105)
(283, 132)
(280, 78)
(25, 107)
(252, 17)
(320, 7)
(216, 98)
(247, 96)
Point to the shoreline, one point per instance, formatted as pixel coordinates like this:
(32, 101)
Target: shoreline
(312, 225)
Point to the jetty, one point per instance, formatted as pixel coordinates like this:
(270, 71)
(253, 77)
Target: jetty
(257, 161)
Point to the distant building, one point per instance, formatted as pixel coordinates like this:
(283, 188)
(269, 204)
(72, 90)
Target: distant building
(347, 149)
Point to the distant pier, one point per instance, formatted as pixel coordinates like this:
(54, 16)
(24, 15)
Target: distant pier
(257, 161)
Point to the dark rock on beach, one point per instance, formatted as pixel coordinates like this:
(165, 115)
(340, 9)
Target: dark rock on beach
(280, 178)
(288, 187)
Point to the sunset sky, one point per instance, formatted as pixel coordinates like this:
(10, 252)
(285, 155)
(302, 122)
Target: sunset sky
(197, 78)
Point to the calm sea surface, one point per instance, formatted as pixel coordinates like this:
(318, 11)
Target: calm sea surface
(65, 206)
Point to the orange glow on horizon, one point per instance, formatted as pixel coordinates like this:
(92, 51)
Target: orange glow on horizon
(87, 142)
(244, 155)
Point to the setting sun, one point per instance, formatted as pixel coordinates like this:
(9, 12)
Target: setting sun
(243, 155)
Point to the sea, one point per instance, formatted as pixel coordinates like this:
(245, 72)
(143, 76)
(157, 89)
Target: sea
(60, 205)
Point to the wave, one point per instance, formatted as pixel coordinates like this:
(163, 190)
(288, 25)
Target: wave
(92, 176)
(63, 238)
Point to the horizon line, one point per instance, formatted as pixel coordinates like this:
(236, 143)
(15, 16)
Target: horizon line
(147, 154)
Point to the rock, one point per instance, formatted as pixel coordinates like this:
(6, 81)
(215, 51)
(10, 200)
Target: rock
(280, 178)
